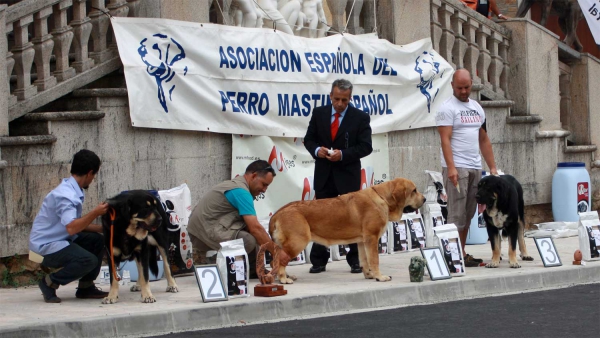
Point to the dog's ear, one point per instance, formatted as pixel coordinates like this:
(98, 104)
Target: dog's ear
(399, 194)
(502, 190)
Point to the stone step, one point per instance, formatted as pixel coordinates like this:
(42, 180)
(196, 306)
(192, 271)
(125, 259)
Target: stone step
(9, 141)
(552, 133)
(581, 149)
(64, 116)
(524, 119)
(100, 92)
(497, 104)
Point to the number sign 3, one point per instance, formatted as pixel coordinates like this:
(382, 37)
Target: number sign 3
(545, 246)
(436, 265)
(209, 281)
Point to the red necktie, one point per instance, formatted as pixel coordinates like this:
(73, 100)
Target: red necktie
(335, 125)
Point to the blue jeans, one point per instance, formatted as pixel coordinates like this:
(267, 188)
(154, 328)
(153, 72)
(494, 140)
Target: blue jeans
(79, 261)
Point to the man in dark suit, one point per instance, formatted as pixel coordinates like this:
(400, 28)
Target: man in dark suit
(338, 136)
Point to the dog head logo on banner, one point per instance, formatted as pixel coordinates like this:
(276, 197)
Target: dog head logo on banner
(367, 177)
(162, 54)
(308, 191)
(276, 160)
(429, 71)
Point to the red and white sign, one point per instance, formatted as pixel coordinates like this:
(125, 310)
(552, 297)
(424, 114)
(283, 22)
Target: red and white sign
(583, 197)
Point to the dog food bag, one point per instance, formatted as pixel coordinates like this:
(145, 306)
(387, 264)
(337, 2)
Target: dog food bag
(435, 191)
(589, 235)
(446, 237)
(432, 217)
(398, 237)
(234, 267)
(177, 203)
(383, 244)
(415, 228)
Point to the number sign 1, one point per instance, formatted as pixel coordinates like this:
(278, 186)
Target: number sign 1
(436, 265)
(545, 246)
(209, 281)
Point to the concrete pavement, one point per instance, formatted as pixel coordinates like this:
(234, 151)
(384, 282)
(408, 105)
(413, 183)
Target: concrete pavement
(24, 314)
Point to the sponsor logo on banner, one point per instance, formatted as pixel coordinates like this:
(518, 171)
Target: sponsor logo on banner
(308, 191)
(367, 176)
(162, 54)
(429, 71)
(583, 196)
(276, 160)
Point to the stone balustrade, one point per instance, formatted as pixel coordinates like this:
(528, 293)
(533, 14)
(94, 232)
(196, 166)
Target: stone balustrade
(468, 40)
(54, 35)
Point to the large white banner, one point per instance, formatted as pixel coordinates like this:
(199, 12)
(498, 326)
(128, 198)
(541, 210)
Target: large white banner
(295, 168)
(591, 11)
(255, 81)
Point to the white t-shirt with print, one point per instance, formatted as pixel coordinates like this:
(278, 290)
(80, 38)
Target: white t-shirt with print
(465, 118)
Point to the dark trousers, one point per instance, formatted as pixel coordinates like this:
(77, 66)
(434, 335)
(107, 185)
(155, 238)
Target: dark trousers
(80, 260)
(319, 254)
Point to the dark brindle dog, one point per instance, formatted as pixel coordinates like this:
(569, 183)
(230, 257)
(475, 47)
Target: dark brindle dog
(500, 198)
(140, 228)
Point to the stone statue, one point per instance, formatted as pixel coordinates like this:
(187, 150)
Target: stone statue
(353, 9)
(245, 13)
(568, 11)
(337, 9)
(284, 13)
(315, 20)
(416, 269)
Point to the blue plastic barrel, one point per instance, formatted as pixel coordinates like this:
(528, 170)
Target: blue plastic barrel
(571, 191)
(477, 230)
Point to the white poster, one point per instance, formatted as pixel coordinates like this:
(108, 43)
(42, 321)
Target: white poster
(295, 168)
(591, 11)
(255, 81)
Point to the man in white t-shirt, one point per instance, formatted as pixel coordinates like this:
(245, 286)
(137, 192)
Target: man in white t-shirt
(462, 128)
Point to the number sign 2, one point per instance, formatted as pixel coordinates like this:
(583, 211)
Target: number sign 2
(436, 265)
(545, 246)
(209, 281)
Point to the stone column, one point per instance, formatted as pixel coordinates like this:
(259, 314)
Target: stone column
(485, 58)
(133, 7)
(472, 54)
(117, 8)
(337, 8)
(353, 13)
(23, 53)
(43, 45)
(4, 64)
(368, 15)
(81, 29)
(506, 69)
(564, 85)
(436, 26)
(497, 65)
(10, 61)
(100, 22)
(447, 40)
(460, 45)
(63, 36)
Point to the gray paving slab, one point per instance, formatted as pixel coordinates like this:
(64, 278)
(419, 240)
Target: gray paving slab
(24, 314)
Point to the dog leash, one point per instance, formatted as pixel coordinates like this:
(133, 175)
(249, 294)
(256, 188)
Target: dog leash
(112, 213)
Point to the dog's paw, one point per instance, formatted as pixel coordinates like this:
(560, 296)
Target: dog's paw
(149, 299)
(110, 300)
(492, 264)
(172, 288)
(383, 278)
(286, 280)
(292, 277)
(514, 265)
(135, 288)
(526, 258)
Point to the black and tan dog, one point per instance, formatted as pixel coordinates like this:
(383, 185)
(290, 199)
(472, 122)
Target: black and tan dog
(500, 198)
(140, 228)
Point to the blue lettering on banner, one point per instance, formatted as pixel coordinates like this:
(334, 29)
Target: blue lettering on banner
(372, 104)
(241, 102)
(336, 63)
(380, 66)
(260, 59)
(300, 104)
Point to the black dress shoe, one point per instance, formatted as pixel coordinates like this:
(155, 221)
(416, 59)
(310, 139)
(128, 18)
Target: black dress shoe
(355, 269)
(316, 269)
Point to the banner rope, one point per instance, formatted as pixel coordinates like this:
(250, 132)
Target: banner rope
(349, 15)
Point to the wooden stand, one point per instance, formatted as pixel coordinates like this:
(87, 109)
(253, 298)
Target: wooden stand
(269, 290)
(576, 262)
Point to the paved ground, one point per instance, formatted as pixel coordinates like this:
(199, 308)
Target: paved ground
(568, 312)
(24, 314)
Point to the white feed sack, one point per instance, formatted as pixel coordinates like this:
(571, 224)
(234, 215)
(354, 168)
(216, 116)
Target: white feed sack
(446, 237)
(415, 231)
(432, 217)
(398, 237)
(589, 235)
(435, 192)
(232, 260)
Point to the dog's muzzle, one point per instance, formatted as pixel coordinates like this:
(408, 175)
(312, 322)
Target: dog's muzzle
(152, 227)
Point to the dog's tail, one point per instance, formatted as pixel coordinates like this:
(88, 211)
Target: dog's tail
(153, 259)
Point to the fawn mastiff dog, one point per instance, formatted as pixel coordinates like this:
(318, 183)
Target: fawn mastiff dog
(358, 217)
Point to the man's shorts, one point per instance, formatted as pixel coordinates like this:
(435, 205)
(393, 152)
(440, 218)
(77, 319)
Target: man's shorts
(462, 206)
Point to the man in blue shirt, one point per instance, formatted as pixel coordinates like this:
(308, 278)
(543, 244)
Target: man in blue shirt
(65, 238)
